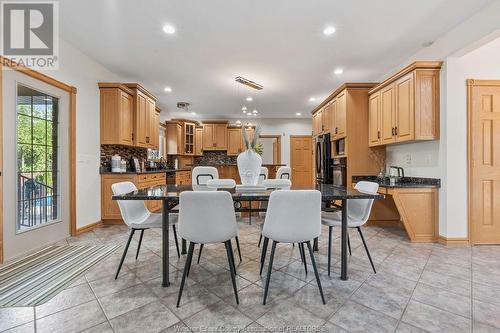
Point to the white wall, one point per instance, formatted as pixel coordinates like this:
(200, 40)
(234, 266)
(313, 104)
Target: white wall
(79, 70)
(470, 50)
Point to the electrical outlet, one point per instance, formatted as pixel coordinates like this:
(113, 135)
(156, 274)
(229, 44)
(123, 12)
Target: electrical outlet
(408, 159)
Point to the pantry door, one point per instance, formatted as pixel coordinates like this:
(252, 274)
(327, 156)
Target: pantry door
(484, 161)
(36, 163)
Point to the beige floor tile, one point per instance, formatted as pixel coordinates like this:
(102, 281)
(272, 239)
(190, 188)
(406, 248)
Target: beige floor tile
(126, 300)
(433, 319)
(443, 299)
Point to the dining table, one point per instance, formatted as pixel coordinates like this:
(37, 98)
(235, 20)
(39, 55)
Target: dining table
(331, 196)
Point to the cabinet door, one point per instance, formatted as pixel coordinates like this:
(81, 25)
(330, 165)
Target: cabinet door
(405, 108)
(333, 120)
(141, 120)
(208, 137)
(220, 136)
(387, 110)
(198, 141)
(126, 118)
(374, 119)
(327, 118)
(155, 130)
(150, 117)
(234, 141)
(189, 138)
(341, 115)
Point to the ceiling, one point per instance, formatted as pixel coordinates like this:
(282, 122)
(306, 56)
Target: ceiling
(279, 44)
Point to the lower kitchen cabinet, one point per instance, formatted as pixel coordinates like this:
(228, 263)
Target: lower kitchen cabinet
(110, 212)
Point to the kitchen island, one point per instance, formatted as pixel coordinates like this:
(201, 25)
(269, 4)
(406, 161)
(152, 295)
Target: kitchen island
(412, 202)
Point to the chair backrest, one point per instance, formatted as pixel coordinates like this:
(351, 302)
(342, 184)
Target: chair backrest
(133, 211)
(284, 172)
(264, 173)
(207, 217)
(293, 216)
(359, 209)
(201, 174)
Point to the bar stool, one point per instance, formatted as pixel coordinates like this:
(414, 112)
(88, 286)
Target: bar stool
(358, 212)
(284, 172)
(137, 217)
(207, 218)
(292, 217)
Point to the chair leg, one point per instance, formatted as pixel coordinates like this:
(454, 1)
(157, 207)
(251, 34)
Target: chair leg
(301, 245)
(199, 253)
(189, 267)
(301, 253)
(329, 248)
(315, 271)
(349, 243)
(230, 259)
(238, 246)
(124, 253)
(366, 248)
(260, 240)
(263, 254)
(186, 268)
(176, 241)
(269, 270)
(139, 245)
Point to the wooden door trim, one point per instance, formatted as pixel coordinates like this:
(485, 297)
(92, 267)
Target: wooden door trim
(72, 138)
(471, 83)
(278, 137)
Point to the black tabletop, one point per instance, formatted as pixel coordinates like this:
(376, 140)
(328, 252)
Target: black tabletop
(172, 192)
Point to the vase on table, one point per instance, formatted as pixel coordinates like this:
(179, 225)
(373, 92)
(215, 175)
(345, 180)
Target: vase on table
(249, 164)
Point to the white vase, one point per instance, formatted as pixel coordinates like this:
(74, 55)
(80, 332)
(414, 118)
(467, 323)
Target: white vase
(249, 164)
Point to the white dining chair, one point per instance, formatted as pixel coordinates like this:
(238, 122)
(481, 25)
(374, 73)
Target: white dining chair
(284, 172)
(264, 174)
(207, 218)
(201, 174)
(292, 217)
(137, 217)
(358, 212)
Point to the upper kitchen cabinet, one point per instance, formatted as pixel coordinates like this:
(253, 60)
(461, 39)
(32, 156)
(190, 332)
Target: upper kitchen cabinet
(215, 136)
(144, 111)
(339, 116)
(405, 107)
(189, 138)
(235, 143)
(174, 138)
(116, 114)
(317, 122)
(198, 141)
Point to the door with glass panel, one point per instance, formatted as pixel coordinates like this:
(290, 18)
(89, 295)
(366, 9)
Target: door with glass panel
(36, 162)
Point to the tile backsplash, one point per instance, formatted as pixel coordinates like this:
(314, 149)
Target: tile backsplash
(124, 151)
(215, 157)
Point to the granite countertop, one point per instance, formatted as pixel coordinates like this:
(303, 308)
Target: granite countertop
(405, 182)
(138, 172)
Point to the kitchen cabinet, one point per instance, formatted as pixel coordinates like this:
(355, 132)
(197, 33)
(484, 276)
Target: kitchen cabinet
(408, 105)
(215, 136)
(235, 142)
(198, 141)
(155, 129)
(110, 212)
(183, 177)
(189, 138)
(317, 123)
(339, 117)
(327, 118)
(116, 115)
(174, 138)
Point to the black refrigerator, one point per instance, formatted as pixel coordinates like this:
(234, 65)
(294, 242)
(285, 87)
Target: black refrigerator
(324, 172)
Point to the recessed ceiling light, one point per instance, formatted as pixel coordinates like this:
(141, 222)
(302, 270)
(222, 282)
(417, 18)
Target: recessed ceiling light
(298, 114)
(244, 108)
(249, 99)
(255, 114)
(168, 29)
(168, 89)
(244, 111)
(329, 31)
(255, 111)
(338, 71)
(312, 99)
(193, 113)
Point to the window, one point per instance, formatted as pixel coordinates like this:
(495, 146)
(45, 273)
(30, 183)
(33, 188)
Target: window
(37, 158)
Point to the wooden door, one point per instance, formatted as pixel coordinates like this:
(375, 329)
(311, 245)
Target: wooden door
(327, 118)
(374, 120)
(405, 108)
(220, 136)
(388, 114)
(301, 160)
(341, 115)
(198, 141)
(484, 161)
(126, 118)
(208, 137)
(141, 119)
(234, 141)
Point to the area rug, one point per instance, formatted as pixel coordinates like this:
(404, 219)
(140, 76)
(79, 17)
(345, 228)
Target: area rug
(35, 279)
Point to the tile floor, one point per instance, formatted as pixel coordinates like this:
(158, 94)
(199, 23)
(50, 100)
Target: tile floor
(418, 288)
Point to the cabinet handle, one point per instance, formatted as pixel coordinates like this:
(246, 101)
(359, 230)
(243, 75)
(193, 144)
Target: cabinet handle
(378, 134)
(396, 130)
(336, 130)
(132, 136)
(393, 131)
